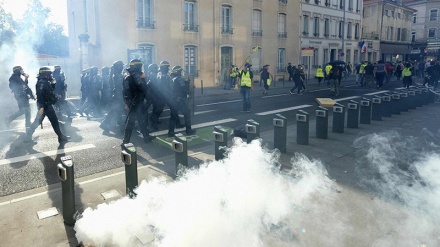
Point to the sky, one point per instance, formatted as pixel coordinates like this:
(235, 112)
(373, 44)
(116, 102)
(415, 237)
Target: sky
(58, 13)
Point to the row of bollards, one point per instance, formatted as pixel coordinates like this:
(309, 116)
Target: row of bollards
(361, 112)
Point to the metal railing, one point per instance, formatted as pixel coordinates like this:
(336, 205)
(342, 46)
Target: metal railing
(227, 30)
(146, 24)
(190, 27)
(282, 35)
(257, 33)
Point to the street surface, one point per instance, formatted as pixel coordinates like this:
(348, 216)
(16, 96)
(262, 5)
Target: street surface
(28, 166)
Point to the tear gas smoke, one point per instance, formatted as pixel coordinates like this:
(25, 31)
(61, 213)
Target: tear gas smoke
(243, 200)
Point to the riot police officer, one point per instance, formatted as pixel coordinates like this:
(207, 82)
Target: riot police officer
(106, 90)
(179, 94)
(134, 90)
(60, 90)
(22, 93)
(93, 102)
(160, 90)
(114, 116)
(45, 100)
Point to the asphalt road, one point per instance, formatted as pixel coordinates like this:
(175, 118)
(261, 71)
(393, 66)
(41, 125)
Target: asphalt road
(27, 166)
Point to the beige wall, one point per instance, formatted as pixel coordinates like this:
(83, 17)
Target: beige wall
(111, 25)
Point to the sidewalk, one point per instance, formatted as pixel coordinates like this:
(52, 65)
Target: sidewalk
(22, 227)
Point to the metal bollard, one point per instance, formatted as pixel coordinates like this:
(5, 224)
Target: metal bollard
(365, 111)
(376, 109)
(353, 114)
(425, 96)
(280, 133)
(220, 141)
(419, 100)
(302, 130)
(252, 130)
(411, 100)
(66, 175)
(322, 123)
(180, 147)
(386, 105)
(338, 118)
(129, 157)
(404, 101)
(395, 97)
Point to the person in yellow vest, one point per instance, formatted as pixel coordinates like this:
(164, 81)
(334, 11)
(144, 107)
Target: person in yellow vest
(328, 67)
(233, 71)
(362, 72)
(319, 75)
(406, 74)
(245, 78)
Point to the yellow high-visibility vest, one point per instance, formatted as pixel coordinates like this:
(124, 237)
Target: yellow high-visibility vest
(328, 68)
(406, 72)
(319, 72)
(246, 79)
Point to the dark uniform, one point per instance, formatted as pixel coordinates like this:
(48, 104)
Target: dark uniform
(45, 100)
(160, 92)
(93, 88)
(179, 89)
(22, 93)
(114, 116)
(60, 90)
(134, 95)
(106, 90)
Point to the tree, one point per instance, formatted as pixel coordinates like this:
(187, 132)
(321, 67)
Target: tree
(54, 41)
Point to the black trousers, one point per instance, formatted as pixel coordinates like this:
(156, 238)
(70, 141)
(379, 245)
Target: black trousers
(136, 113)
(176, 107)
(50, 113)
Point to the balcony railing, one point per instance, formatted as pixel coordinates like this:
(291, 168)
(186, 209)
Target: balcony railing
(305, 33)
(326, 35)
(146, 24)
(282, 35)
(190, 27)
(257, 33)
(316, 34)
(348, 36)
(227, 30)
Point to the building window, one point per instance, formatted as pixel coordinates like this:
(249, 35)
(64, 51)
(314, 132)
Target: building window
(256, 60)
(326, 27)
(317, 2)
(358, 7)
(282, 26)
(145, 14)
(191, 60)
(327, 3)
(190, 22)
(281, 59)
(398, 34)
(431, 33)
(341, 29)
(349, 30)
(256, 23)
(413, 37)
(325, 56)
(146, 53)
(350, 5)
(341, 4)
(390, 33)
(356, 31)
(404, 35)
(414, 17)
(398, 16)
(316, 26)
(305, 25)
(433, 15)
(283, 1)
(315, 58)
(227, 19)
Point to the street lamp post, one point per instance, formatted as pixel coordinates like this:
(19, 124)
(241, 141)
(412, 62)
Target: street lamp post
(342, 54)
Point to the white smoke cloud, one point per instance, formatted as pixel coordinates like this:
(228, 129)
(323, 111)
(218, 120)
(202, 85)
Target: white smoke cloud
(243, 200)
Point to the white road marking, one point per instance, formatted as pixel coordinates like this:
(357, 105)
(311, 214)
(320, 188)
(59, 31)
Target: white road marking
(45, 154)
(317, 90)
(282, 110)
(227, 120)
(275, 95)
(347, 98)
(384, 91)
(219, 103)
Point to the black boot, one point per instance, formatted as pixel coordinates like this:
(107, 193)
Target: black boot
(63, 138)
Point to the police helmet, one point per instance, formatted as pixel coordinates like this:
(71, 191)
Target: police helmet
(17, 69)
(136, 64)
(44, 71)
(118, 63)
(94, 70)
(164, 64)
(176, 69)
(105, 70)
(153, 67)
(57, 67)
(247, 65)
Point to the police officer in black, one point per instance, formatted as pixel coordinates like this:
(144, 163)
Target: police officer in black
(60, 91)
(22, 93)
(134, 94)
(114, 116)
(94, 88)
(160, 91)
(179, 94)
(45, 100)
